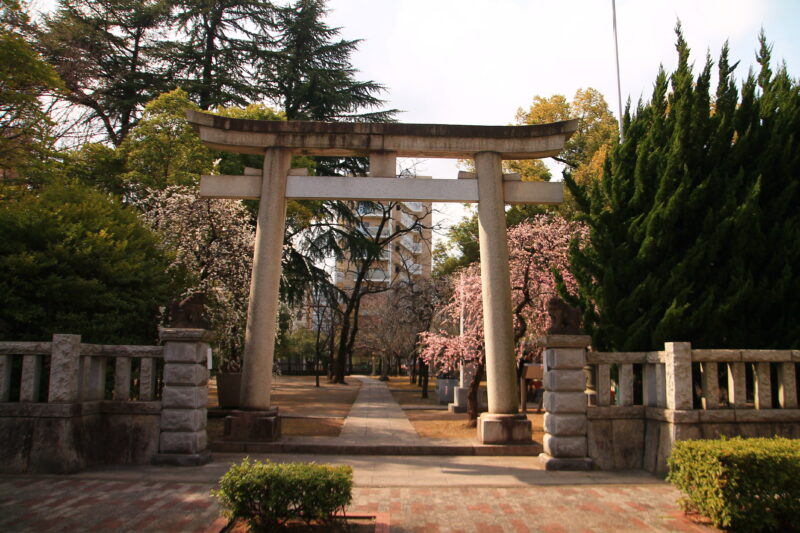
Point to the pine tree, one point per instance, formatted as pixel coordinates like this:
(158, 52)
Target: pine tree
(308, 73)
(694, 225)
(106, 51)
(220, 41)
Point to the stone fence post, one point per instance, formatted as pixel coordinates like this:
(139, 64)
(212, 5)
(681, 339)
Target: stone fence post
(65, 367)
(183, 440)
(565, 401)
(678, 367)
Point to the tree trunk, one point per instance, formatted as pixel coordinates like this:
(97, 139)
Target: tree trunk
(472, 396)
(423, 378)
(413, 370)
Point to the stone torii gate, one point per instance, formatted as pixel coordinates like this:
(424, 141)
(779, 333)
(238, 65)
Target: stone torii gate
(278, 141)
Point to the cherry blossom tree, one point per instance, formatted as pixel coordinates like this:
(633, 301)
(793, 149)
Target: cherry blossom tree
(537, 247)
(212, 243)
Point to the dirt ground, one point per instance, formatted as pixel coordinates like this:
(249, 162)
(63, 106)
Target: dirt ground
(299, 400)
(437, 423)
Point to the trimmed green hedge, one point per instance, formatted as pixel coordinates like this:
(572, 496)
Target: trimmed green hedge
(742, 484)
(267, 494)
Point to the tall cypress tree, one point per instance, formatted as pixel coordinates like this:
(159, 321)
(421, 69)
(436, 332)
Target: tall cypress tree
(694, 228)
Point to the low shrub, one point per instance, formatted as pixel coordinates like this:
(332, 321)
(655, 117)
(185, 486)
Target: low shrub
(741, 484)
(267, 495)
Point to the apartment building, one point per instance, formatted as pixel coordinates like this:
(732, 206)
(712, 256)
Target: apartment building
(406, 257)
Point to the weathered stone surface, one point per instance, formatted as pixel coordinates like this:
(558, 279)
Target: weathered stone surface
(183, 419)
(628, 437)
(787, 386)
(185, 352)
(117, 350)
(24, 348)
(93, 380)
(565, 380)
(710, 385)
(565, 463)
(264, 426)
(190, 442)
(716, 356)
(5, 378)
(737, 385)
(678, 374)
(565, 358)
(565, 425)
(122, 379)
(565, 402)
(147, 379)
(183, 374)
(53, 447)
(603, 384)
(625, 390)
(64, 369)
(186, 335)
(183, 459)
(763, 386)
(766, 356)
(651, 440)
(717, 416)
(31, 378)
(500, 429)
(615, 412)
(600, 444)
(564, 341)
(564, 446)
(188, 397)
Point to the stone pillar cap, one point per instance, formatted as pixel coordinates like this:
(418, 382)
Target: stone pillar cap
(564, 341)
(185, 335)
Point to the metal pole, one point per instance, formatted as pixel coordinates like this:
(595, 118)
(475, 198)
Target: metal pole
(619, 86)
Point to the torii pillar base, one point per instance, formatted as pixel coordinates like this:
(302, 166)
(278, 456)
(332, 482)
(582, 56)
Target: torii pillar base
(503, 429)
(253, 426)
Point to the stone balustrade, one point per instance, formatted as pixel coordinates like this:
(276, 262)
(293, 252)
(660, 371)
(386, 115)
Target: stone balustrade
(78, 371)
(65, 405)
(640, 403)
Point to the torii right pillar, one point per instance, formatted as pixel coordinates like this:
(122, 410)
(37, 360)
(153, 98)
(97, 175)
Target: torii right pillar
(503, 423)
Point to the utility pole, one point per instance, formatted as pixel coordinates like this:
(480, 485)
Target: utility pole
(619, 86)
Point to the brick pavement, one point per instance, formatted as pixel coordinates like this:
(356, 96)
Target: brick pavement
(405, 493)
(45, 504)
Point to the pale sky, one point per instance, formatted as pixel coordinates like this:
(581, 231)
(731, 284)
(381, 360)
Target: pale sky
(477, 61)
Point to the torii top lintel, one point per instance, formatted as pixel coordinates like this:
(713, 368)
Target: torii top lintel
(363, 138)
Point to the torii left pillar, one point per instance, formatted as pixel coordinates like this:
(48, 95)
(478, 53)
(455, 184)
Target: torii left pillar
(258, 420)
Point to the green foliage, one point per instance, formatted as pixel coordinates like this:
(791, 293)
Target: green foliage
(219, 44)
(267, 494)
(298, 345)
(24, 78)
(694, 226)
(107, 53)
(74, 261)
(309, 73)
(163, 149)
(741, 484)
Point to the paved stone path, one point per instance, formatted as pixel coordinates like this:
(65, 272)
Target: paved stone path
(405, 493)
(376, 418)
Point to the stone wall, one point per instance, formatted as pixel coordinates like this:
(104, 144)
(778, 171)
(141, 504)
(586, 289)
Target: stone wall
(676, 394)
(65, 438)
(72, 418)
